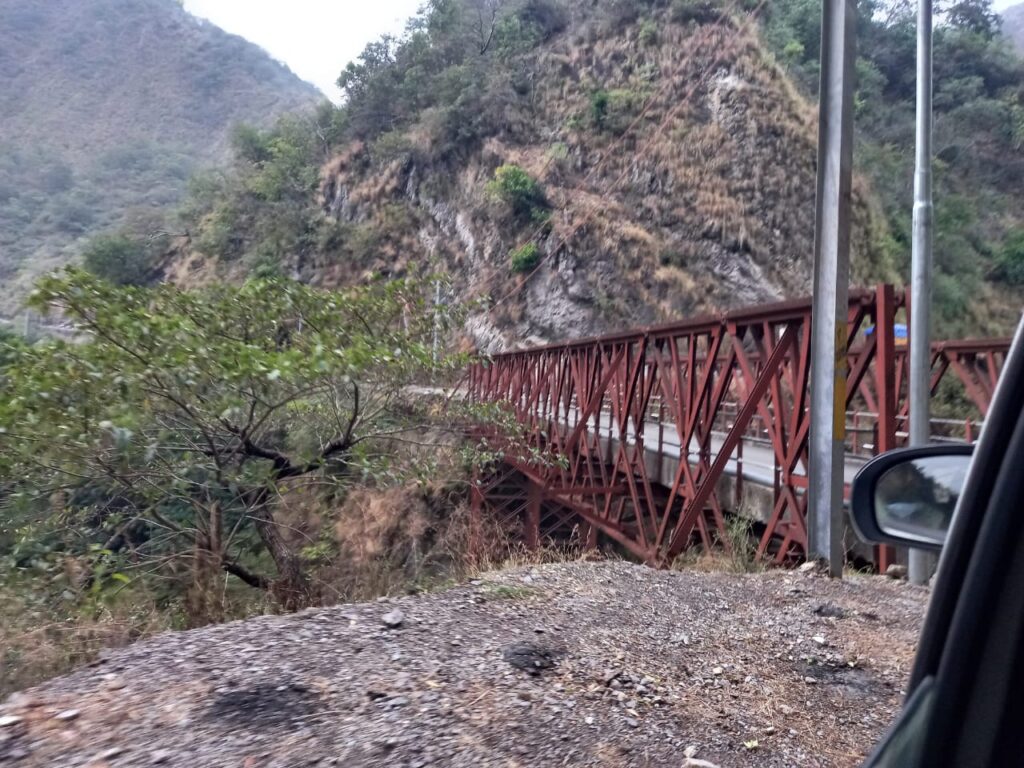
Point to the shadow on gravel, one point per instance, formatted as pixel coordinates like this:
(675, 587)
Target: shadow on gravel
(852, 682)
(264, 705)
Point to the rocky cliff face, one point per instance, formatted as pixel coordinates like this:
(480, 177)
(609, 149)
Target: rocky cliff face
(692, 191)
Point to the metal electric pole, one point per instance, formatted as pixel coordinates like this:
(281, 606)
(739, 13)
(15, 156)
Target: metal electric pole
(831, 290)
(921, 563)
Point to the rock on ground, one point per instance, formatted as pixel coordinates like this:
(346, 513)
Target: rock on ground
(577, 664)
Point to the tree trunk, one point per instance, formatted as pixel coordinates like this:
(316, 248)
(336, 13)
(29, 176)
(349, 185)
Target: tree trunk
(292, 587)
(204, 601)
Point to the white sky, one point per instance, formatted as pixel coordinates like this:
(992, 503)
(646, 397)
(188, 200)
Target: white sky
(315, 38)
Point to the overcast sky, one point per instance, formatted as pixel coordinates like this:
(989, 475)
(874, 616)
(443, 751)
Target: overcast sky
(316, 38)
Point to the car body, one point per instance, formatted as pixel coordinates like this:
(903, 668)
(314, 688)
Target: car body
(965, 702)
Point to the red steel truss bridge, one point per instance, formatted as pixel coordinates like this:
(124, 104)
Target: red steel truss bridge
(648, 438)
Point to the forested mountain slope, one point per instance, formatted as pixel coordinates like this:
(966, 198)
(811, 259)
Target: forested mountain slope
(587, 166)
(978, 138)
(106, 108)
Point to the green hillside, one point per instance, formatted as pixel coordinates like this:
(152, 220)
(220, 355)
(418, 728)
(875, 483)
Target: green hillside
(106, 109)
(979, 144)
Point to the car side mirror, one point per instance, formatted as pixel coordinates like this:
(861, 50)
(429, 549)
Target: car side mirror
(907, 497)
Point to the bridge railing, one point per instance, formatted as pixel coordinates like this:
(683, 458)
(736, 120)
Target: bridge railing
(641, 426)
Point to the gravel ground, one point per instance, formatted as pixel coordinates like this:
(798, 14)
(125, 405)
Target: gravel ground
(579, 664)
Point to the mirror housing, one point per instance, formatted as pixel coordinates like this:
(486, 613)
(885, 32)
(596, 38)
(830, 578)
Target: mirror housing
(907, 497)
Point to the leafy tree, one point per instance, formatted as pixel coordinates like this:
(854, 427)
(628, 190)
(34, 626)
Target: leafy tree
(182, 424)
(453, 53)
(118, 259)
(973, 15)
(250, 144)
(265, 211)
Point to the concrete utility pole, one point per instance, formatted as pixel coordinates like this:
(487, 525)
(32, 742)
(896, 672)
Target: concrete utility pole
(921, 563)
(831, 284)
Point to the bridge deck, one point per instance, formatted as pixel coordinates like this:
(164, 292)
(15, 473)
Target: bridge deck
(663, 449)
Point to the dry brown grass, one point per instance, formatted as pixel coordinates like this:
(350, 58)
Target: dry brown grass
(35, 646)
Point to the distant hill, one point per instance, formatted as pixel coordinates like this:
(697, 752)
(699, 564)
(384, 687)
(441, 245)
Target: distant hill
(1013, 25)
(106, 109)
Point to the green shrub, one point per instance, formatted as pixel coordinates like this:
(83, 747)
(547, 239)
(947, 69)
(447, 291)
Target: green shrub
(540, 217)
(216, 235)
(559, 152)
(614, 110)
(648, 32)
(599, 108)
(513, 36)
(1010, 258)
(391, 146)
(793, 51)
(265, 263)
(516, 188)
(118, 259)
(250, 144)
(525, 258)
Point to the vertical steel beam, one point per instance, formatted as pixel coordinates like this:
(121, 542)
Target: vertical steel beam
(885, 365)
(921, 563)
(831, 278)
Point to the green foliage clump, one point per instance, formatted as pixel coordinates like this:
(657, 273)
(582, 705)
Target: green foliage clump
(517, 189)
(264, 210)
(118, 259)
(614, 110)
(11, 346)
(599, 100)
(525, 258)
(794, 51)
(281, 162)
(454, 51)
(648, 34)
(1010, 258)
